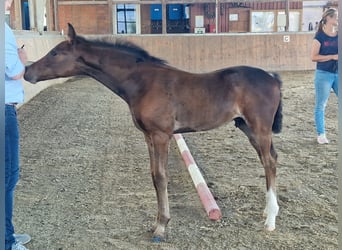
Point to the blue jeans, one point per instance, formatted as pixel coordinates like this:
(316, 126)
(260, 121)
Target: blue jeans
(12, 168)
(324, 82)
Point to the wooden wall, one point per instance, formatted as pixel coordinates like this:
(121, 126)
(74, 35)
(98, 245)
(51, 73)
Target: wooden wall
(201, 53)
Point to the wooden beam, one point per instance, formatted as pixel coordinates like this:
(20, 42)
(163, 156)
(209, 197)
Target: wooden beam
(164, 17)
(92, 2)
(287, 13)
(82, 2)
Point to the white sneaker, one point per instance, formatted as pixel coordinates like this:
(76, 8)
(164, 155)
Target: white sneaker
(22, 238)
(322, 139)
(18, 246)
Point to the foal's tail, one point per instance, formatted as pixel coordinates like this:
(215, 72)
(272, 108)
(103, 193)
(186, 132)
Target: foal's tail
(278, 118)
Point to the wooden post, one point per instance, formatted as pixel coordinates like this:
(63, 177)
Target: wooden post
(32, 14)
(287, 13)
(110, 16)
(18, 16)
(217, 13)
(164, 17)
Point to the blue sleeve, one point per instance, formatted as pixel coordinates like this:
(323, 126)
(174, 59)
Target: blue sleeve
(319, 37)
(12, 61)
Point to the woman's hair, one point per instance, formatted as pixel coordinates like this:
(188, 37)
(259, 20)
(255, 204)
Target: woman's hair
(329, 12)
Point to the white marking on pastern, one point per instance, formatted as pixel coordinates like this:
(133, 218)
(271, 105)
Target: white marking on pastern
(271, 210)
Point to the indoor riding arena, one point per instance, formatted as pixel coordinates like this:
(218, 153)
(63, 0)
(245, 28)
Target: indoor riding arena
(85, 172)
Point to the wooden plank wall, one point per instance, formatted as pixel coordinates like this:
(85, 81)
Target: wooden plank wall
(202, 53)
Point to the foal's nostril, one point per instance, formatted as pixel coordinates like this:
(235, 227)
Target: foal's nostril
(29, 77)
(26, 77)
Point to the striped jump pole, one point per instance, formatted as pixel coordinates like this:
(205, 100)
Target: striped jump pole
(207, 199)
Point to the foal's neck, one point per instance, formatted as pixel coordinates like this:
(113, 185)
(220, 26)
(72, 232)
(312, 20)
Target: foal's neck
(104, 65)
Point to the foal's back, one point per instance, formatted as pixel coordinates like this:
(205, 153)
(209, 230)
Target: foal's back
(205, 101)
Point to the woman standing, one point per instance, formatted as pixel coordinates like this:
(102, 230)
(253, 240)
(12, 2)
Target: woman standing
(325, 53)
(14, 93)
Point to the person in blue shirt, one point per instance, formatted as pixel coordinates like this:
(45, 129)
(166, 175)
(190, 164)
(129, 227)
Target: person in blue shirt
(325, 53)
(15, 59)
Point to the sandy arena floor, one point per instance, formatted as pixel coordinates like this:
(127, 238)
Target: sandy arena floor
(85, 178)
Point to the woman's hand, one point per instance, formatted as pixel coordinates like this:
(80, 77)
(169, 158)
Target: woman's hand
(22, 55)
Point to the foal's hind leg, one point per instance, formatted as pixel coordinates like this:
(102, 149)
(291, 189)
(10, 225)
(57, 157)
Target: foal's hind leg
(158, 146)
(264, 147)
(269, 163)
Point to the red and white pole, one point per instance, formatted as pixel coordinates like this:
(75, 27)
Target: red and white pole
(207, 199)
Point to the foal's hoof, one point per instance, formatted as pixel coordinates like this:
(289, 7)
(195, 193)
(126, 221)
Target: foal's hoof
(270, 228)
(157, 239)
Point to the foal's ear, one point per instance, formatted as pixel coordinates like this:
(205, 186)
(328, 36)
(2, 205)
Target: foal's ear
(71, 34)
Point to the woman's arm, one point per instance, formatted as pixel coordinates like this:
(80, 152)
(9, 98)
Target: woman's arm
(23, 58)
(316, 57)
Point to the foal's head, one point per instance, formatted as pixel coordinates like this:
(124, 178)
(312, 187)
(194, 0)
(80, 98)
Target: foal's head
(61, 61)
(75, 56)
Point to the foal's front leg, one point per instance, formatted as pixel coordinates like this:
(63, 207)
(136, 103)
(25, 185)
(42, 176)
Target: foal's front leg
(158, 145)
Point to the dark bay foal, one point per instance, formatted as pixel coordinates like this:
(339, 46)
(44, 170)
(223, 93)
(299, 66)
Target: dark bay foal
(164, 100)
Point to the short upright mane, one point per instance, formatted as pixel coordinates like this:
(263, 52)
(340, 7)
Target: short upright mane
(127, 46)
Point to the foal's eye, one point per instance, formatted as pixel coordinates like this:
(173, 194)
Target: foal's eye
(53, 53)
